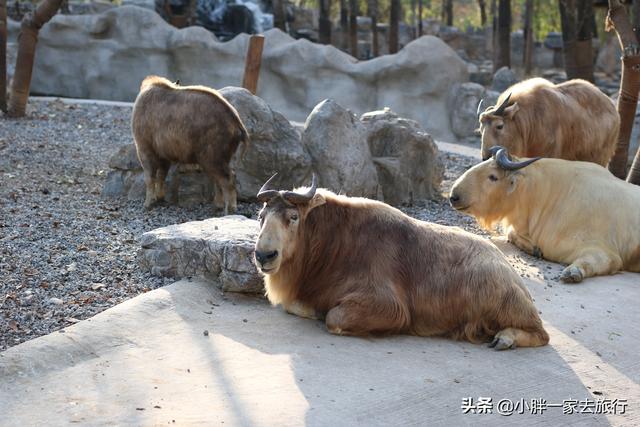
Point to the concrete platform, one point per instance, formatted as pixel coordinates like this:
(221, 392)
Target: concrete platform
(149, 362)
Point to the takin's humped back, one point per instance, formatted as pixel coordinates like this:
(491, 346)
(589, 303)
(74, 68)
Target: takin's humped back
(367, 268)
(573, 120)
(186, 124)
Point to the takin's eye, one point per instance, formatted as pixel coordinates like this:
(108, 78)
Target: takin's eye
(500, 126)
(492, 177)
(293, 217)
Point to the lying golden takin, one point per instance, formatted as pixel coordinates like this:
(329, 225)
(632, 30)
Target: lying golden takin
(367, 268)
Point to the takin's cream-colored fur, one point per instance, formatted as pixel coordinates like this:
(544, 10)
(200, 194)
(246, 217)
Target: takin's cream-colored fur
(575, 213)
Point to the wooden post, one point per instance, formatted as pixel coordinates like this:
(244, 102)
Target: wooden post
(3, 55)
(31, 24)
(252, 63)
(353, 27)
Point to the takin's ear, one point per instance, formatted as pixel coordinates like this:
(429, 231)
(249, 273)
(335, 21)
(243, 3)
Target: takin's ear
(511, 110)
(317, 200)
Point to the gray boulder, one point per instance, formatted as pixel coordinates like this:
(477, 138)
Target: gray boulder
(405, 156)
(274, 146)
(463, 108)
(503, 78)
(337, 143)
(216, 248)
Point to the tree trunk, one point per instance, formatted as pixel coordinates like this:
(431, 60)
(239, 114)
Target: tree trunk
(393, 25)
(504, 35)
(344, 25)
(324, 22)
(279, 15)
(449, 12)
(635, 18)
(414, 23)
(494, 32)
(372, 5)
(568, 21)
(584, 40)
(353, 27)
(3, 56)
(420, 18)
(528, 37)
(31, 24)
(483, 13)
(618, 20)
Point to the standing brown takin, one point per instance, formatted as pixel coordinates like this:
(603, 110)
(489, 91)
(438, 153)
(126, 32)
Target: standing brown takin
(367, 268)
(186, 124)
(573, 120)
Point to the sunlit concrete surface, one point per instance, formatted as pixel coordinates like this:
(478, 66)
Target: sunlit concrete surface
(149, 362)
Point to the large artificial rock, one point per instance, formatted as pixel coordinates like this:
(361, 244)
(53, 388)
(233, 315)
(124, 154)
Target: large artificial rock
(337, 143)
(216, 248)
(274, 146)
(405, 156)
(463, 108)
(106, 56)
(503, 78)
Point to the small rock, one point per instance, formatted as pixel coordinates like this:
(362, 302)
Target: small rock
(56, 301)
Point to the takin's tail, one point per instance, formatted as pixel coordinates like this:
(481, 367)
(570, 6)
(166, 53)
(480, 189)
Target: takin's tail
(244, 141)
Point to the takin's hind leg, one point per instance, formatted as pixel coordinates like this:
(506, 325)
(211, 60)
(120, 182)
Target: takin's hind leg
(591, 262)
(511, 338)
(517, 321)
(150, 165)
(364, 315)
(224, 180)
(161, 176)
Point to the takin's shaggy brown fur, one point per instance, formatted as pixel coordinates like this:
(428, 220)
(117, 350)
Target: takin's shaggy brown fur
(367, 268)
(186, 124)
(573, 120)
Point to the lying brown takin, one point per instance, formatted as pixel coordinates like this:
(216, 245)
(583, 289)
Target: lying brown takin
(575, 213)
(186, 124)
(572, 120)
(367, 268)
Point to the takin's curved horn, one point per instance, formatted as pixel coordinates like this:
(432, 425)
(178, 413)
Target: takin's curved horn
(297, 198)
(493, 150)
(264, 194)
(500, 110)
(479, 107)
(504, 162)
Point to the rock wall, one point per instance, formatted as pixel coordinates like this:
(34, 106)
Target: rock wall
(106, 56)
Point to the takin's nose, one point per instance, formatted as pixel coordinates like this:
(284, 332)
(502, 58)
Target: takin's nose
(454, 199)
(265, 257)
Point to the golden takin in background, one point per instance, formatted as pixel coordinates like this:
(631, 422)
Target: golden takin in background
(186, 124)
(572, 120)
(367, 268)
(574, 213)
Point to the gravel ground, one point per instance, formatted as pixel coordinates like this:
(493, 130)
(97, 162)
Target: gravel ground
(66, 254)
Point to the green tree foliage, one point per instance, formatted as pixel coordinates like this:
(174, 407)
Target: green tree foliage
(466, 13)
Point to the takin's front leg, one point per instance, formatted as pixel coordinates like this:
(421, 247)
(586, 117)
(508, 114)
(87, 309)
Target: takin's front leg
(365, 315)
(299, 309)
(524, 243)
(591, 262)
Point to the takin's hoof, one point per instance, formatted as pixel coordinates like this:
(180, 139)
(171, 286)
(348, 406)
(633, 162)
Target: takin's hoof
(502, 342)
(571, 274)
(537, 252)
